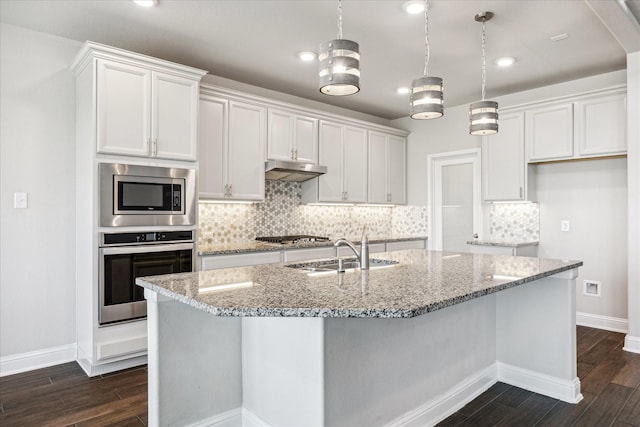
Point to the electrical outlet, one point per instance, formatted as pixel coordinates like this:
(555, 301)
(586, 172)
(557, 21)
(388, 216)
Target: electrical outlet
(565, 225)
(592, 288)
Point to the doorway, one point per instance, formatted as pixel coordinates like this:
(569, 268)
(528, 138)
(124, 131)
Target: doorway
(455, 210)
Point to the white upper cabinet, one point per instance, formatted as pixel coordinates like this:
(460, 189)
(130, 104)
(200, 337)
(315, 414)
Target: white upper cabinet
(504, 171)
(343, 150)
(600, 125)
(292, 137)
(583, 126)
(144, 112)
(386, 169)
(549, 132)
(231, 149)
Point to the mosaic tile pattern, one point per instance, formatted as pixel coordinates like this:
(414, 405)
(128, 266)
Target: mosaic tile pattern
(282, 213)
(514, 222)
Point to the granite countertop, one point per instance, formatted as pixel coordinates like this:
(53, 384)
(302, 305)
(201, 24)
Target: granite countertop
(503, 243)
(255, 246)
(422, 282)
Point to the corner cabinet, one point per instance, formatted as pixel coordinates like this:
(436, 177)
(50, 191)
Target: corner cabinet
(144, 107)
(343, 150)
(292, 137)
(505, 174)
(386, 169)
(231, 149)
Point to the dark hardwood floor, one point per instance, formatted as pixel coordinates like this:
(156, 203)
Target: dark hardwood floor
(63, 395)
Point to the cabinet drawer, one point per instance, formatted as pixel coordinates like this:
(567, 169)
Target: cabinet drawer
(399, 246)
(307, 254)
(212, 262)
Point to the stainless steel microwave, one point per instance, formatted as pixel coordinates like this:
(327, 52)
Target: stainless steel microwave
(134, 195)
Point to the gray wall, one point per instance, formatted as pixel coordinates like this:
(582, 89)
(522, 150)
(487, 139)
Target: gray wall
(37, 107)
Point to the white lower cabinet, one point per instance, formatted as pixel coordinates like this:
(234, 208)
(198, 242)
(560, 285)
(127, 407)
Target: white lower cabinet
(307, 254)
(408, 244)
(231, 147)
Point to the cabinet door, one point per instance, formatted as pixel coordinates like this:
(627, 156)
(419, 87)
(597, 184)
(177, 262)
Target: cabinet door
(123, 109)
(305, 138)
(355, 165)
(247, 138)
(601, 125)
(212, 138)
(280, 138)
(503, 164)
(330, 187)
(550, 132)
(377, 191)
(174, 113)
(397, 170)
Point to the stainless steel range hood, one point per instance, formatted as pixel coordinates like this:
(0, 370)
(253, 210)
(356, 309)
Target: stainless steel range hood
(282, 170)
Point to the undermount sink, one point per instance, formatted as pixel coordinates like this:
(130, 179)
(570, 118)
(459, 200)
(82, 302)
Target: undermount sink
(348, 264)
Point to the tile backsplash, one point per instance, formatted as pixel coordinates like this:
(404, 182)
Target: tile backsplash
(282, 213)
(514, 222)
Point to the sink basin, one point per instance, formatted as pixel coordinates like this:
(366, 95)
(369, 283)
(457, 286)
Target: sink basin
(348, 264)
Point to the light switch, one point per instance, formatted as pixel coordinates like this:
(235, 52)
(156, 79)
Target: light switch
(565, 225)
(20, 200)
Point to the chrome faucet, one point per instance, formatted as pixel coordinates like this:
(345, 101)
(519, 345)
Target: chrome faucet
(363, 256)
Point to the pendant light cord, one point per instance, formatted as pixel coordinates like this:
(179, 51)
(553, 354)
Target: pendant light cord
(427, 51)
(339, 19)
(484, 59)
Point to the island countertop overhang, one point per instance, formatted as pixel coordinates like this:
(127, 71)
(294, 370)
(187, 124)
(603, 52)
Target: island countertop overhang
(423, 281)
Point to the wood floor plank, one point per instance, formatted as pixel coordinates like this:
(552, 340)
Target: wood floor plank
(630, 413)
(601, 349)
(598, 379)
(122, 409)
(490, 394)
(529, 412)
(489, 415)
(629, 375)
(589, 340)
(452, 420)
(605, 407)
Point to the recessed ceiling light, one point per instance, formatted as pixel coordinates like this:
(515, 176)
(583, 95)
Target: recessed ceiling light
(307, 56)
(403, 90)
(505, 61)
(413, 7)
(146, 3)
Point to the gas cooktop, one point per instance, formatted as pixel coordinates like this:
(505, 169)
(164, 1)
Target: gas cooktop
(290, 240)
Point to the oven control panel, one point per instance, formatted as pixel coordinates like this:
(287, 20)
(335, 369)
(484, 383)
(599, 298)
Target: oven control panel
(151, 237)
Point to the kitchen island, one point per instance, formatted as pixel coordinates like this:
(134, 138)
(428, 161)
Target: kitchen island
(402, 345)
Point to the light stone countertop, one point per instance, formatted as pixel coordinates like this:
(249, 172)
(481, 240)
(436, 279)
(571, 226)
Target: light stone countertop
(502, 243)
(422, 282)
(256, 246)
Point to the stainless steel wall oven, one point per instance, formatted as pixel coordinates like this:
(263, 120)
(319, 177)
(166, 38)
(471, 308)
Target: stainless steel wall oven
(125, 256)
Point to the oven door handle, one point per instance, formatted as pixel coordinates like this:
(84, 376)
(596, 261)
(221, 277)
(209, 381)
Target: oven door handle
(118, 250)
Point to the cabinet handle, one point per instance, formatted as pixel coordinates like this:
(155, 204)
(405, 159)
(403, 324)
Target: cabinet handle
(295, 155)
(154, 144)
(521, 192)
(149, 149)
(292, 157)
(230, 189)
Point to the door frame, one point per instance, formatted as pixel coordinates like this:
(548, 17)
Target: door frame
(435, 162)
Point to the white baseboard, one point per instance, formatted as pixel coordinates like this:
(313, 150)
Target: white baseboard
(565, 390)
(614, 324)
(233, 418)
(631, 344)
(436, 410)
(44, 358)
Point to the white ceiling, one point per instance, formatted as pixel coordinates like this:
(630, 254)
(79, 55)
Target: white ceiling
(256, 42)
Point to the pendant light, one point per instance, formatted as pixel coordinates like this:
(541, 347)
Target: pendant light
(483, 115)
(426, 92)
(339, 64)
